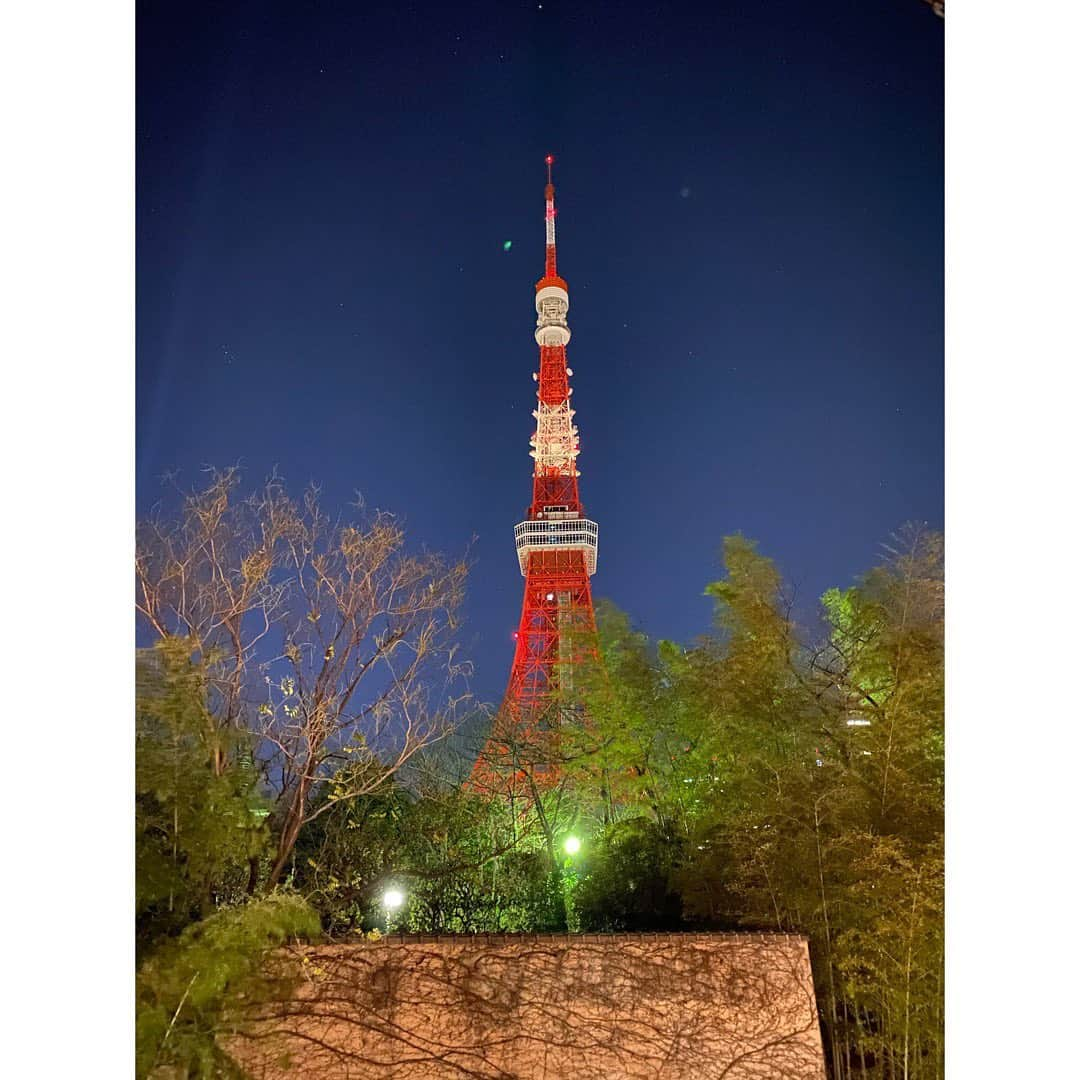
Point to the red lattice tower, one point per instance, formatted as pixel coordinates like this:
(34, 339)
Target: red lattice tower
(556, 547)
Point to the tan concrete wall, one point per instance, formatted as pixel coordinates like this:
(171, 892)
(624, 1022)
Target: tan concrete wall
(703, 1006)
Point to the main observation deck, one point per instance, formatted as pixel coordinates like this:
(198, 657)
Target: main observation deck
(565, 533)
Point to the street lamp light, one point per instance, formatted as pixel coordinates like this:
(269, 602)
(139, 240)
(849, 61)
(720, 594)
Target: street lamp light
(393, 899)
(571, 845)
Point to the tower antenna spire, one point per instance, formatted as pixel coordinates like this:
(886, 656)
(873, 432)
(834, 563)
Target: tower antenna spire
(549, 219)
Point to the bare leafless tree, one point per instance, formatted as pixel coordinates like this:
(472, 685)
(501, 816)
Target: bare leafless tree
(326, 639)
(206, 574)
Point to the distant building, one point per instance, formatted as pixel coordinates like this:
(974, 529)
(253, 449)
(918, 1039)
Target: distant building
(532, 1006)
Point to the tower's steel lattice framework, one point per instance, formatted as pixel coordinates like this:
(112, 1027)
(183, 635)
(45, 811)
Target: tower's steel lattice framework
(556, 548)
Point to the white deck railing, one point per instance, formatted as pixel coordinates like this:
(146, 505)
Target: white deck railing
(579, 533)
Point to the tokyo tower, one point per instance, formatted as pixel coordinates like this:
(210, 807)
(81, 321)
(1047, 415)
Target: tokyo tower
(556, 549)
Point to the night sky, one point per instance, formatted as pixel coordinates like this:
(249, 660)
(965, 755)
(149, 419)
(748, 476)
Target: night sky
(750, 222)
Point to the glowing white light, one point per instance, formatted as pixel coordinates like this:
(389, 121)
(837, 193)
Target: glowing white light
(393, 899)
(551, 596)
(572, 845)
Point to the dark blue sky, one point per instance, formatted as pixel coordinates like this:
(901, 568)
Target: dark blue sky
(750, 221)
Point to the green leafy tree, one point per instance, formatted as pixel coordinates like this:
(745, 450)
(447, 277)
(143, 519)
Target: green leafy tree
(834, 780)
(891, 956)
(626, 882)
(186, 991)
(769, 774)
(642, 743)
(885, 659)
(464, 864)
(199, 820)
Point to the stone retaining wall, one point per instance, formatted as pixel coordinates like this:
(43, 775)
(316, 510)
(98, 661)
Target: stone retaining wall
(703, 1006)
